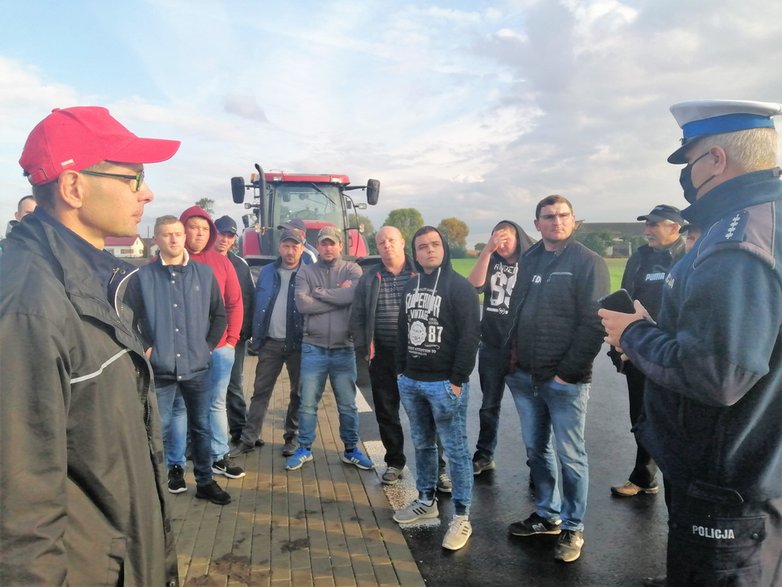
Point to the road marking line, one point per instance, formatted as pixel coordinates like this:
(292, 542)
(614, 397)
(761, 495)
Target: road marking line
(361, 403)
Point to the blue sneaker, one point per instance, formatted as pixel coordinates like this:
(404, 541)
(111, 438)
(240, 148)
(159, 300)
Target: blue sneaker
(358, 458)
(301, 456)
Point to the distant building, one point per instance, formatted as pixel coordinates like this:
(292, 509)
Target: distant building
(615, 228)
(624, 236)
(127, 247)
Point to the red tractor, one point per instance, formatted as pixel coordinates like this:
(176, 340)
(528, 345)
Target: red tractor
(317, 200)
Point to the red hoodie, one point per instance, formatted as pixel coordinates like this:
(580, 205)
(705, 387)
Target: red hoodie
(225, 275)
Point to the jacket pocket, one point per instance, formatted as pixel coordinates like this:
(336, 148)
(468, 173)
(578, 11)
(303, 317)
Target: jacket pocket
(715, 550)
(96, 550)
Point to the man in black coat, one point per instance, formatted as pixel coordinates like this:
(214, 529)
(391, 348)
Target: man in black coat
(554, 339)
(644, 278)
(235, 403)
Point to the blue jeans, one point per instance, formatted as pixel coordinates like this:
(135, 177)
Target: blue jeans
(435, 410)
(492, 368)
(183, 404)
(545, 407)
(219, 375)
(340, 367)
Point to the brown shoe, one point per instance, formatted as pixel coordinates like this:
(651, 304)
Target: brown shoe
(629, 489)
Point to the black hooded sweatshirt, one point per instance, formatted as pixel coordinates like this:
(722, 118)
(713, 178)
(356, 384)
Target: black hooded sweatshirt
(439, 325)
(498, 288)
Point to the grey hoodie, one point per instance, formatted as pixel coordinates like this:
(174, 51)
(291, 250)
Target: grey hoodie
(325, 305)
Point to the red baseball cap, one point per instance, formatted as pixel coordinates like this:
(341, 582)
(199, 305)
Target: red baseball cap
(79, 137)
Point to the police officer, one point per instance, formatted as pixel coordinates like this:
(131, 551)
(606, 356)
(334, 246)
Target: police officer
(643, 278)
(713, 360)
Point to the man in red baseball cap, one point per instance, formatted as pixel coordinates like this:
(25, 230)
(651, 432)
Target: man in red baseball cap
(81, 479)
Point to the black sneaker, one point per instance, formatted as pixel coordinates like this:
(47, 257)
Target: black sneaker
(535, 525)
(226, 468)
(569, 545)
(213, 492)
(176, 480)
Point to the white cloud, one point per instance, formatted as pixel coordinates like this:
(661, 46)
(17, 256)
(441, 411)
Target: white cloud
(472, 112)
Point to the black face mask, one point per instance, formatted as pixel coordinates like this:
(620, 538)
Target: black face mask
(685, 179)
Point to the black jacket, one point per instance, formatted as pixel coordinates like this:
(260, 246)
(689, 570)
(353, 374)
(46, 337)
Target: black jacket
(498, 290)
(439, 326)
(248, 293)
(82, 489)
(645, 273)
(556, 329)
(362, 312)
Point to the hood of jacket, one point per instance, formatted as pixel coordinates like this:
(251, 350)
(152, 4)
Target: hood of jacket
(523, 240)
(199, 212)
(446, 264)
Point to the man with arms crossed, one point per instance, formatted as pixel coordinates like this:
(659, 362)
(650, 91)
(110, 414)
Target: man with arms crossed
(82, 481)
(324, 292)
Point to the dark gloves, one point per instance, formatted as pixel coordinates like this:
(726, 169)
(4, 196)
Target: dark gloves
(616, 359)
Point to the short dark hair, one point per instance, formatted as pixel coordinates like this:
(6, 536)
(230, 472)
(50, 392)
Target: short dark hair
(46, 194)
(22, 199)
(550, 201)
(426, 230)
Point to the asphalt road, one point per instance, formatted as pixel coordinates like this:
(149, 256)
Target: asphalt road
(624, 537)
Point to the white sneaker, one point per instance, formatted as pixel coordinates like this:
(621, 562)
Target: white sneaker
(417, 510)
(459, 531)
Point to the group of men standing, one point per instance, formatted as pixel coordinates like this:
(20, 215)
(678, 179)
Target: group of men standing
(82, 483)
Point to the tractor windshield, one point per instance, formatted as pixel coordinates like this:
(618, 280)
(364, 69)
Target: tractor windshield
(308, 202)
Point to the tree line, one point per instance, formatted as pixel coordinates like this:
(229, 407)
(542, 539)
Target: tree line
(408, 220)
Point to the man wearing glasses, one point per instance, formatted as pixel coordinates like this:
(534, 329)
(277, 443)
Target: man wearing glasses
(554, 338)
(81, 474)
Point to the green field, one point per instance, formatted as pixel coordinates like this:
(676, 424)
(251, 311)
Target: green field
(615, 266)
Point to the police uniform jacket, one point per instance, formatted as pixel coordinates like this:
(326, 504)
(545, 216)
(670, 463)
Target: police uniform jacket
(645, 273)
(714, 362)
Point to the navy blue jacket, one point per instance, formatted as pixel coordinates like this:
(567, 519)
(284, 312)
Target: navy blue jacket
(179, 312)
(713, 362)
(266, 291)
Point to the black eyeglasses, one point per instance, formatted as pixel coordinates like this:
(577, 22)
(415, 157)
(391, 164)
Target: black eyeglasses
(136, 180)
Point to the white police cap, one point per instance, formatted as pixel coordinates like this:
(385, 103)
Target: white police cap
(701, 118)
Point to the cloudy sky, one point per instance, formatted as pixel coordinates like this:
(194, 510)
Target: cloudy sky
(469, 109)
